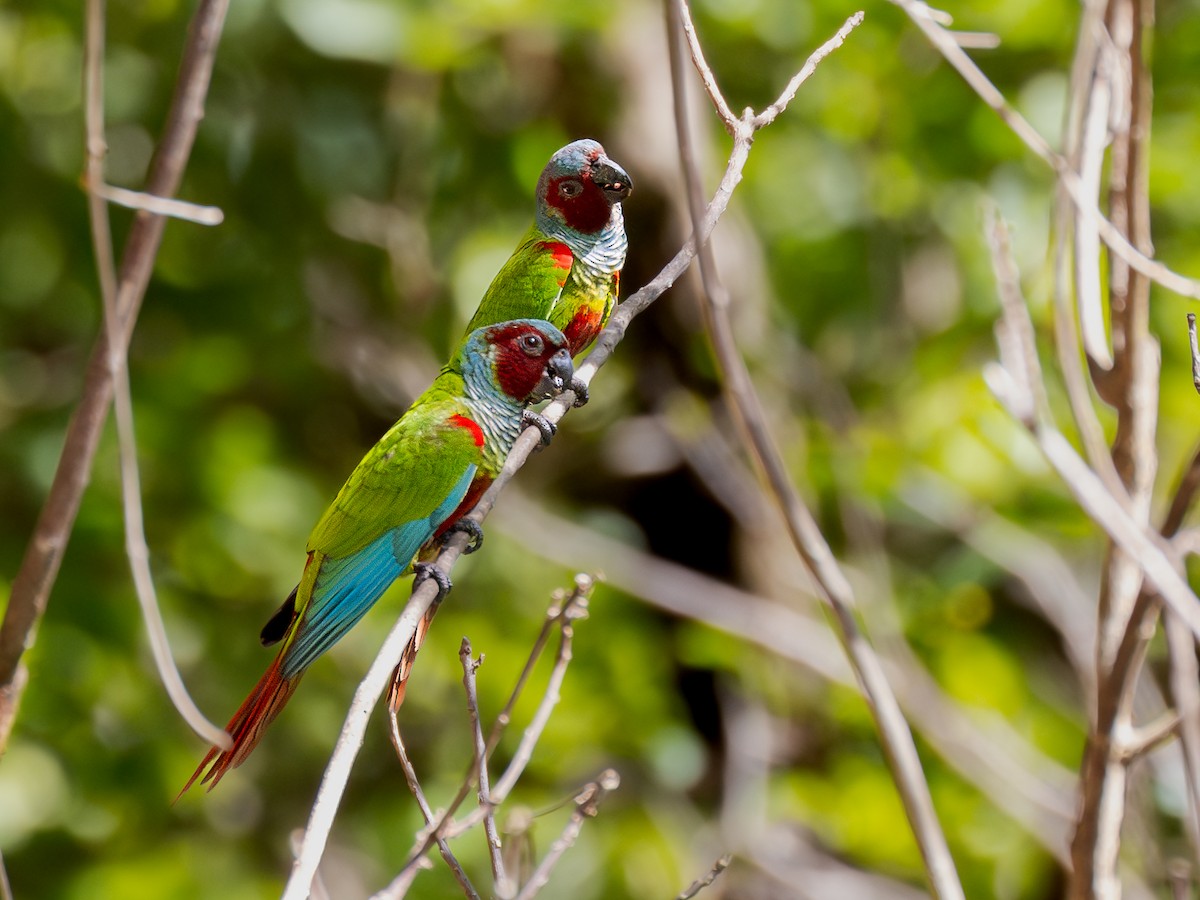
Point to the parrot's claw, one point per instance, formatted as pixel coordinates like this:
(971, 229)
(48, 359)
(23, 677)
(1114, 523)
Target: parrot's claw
(472, 528)
(580, 390)
(424, 571)
(541, 423)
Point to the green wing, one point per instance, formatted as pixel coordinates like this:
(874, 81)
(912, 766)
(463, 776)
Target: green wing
(528, 285)
(405, 478)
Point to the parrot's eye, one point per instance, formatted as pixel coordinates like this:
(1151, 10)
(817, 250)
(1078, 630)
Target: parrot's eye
(570, 188)
(532, 344)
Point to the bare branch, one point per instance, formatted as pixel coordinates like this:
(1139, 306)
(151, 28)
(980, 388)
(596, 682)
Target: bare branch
(1184, 677)
(159, 206)
(923, 16)
(1141, 741)
(131, 494)
(708, 878)
(768, 115)
(1031, 788)
(1191, 320)
(562, 612)
(809, 542)
(43, 555)
(414, 785)
(1014, 331)
(1151, 552)
(574, 608)
(706, 75)
(587, 804)
(337, 772)
(504, 886)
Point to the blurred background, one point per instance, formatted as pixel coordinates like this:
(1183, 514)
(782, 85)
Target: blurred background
(375, 161)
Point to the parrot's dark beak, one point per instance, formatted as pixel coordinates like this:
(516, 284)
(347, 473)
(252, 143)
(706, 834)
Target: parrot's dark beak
(558, 374)
(612, 179)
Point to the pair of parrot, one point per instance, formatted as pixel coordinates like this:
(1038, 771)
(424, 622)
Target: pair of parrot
(545, 306)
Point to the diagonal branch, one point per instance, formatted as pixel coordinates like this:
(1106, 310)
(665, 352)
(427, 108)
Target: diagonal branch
(707, 878)
(414, 785)
(118, 368)
(43, 555)
(587, 805)
(834, 587)
(923, 16)
(564, 611)
(503, 884)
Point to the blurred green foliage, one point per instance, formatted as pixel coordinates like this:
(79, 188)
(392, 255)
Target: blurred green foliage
(375, 161)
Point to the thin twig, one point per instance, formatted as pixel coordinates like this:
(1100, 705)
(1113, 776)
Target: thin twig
(587, 804)
(922, 15)
(1031, 788)
(131, 494)
(5, 887)
(1152, 553)
(563, 613)
(809, 542)
(160, 206)
(414, 786)
(43, 555)
(705, 880)
(1140, 741)
(503, 885)
(1184, 680)
(337, 771)
(574, 608)
(1191, 320)
(1185, 495)
(706, 73)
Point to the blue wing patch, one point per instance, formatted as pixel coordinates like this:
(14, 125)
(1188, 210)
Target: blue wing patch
(348, 587)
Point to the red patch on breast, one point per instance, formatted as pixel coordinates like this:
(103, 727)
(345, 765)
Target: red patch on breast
(559, 252)
(583, 328)
(470, 425)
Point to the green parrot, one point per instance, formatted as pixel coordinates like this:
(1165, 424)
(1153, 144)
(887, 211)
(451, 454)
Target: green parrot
(410, 489)
(568, 265)
(566, 269)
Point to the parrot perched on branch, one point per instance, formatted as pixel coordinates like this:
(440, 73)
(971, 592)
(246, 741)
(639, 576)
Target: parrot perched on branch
(568, 265)
(412, 487)
(566, 269)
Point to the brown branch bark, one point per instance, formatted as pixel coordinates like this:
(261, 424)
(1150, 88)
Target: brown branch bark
(810, 544)
(43, 556)
(1127, 612)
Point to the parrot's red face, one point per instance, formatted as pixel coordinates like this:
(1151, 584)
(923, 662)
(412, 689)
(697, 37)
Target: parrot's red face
(581, 185)
(531, 361)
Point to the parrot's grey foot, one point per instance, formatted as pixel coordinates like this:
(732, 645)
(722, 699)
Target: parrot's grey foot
(580, 390)
(472, 528)
(424, 571)
(541, 423)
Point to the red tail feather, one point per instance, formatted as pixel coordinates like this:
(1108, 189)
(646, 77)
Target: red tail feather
(269, 696)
